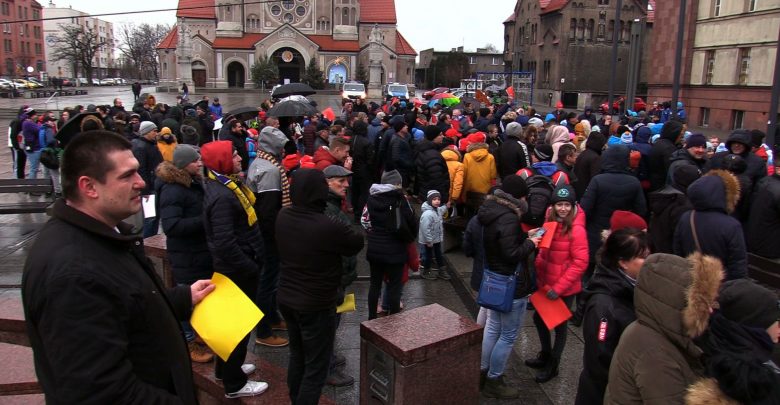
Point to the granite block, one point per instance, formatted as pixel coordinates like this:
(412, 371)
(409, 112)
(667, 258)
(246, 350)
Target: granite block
(17, 376)
(426, 355)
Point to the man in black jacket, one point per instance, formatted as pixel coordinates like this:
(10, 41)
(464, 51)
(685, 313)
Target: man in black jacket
(661, 153)
(149, 157)
(513, 154)
(432, 172)
(102, 327)
(236, 246)
(763, 229)
(309, 283)
(237, 135)
(400, 153)
(740, 143)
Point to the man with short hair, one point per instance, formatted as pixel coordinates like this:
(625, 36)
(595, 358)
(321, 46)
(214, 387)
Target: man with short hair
(740, 142)
(117, 107)
(237, 135)
(337, 153)
(149, 157)
(694, 153)
(400, 153)
(206, 124)
(216, 108)
(102, 327)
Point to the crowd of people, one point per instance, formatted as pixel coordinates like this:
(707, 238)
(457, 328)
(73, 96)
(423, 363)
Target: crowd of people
(653, 225)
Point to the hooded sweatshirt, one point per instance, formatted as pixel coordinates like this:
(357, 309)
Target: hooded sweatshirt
(265, 179)
(557, 136)
(588, 163)
(661, 152)
(479, 169)
(310, 281)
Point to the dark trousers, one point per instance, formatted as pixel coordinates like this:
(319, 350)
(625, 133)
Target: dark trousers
(560, 332)
(233, 378)
(311, 345)
(431, 251)
(359, 196)
(266, 291)
(20, 162)
(394, 285)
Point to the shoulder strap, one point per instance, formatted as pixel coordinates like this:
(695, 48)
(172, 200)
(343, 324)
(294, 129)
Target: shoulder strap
(695, 235)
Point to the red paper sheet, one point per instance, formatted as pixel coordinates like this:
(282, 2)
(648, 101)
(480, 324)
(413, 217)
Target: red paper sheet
(553, 312)
(549, 232)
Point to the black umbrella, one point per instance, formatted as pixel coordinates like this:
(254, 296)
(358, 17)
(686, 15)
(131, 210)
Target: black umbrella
(292, 109)
(245, 113)
(73, 127)
(301, 89)
(466, 99)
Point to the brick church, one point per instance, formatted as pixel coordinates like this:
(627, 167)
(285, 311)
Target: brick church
(221, 40)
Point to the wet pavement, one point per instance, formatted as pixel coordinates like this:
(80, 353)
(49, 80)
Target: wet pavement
(17, 233)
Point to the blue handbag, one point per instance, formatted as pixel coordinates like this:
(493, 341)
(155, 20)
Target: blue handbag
(497, 291)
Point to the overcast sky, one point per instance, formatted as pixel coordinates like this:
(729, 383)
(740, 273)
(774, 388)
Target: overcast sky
(439, 24)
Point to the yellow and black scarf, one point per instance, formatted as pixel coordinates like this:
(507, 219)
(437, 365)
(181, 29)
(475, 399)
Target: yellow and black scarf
(242, 192)
(285, 182)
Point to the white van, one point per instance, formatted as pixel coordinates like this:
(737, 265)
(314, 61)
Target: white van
(397, 90)
(354, 90)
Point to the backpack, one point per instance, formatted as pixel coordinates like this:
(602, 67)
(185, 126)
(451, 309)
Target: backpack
(397, 225)
(50, 158)
(540, 191)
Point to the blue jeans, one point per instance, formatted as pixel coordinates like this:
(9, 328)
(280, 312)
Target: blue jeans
(35, 163)
(151, 226)
(499, 337)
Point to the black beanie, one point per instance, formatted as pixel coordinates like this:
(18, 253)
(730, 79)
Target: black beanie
(515, 186)
(757, 137)
(684, 175)
(564, 193)
(431, 132)
(399, 125)
(544, 152)
(747, 303)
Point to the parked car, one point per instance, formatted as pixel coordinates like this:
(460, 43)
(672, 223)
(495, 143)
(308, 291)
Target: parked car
(430, 93)
(36, 81)
(6, 84)
(95, 82)
(67, 82)
(119, 81)
(639, 104)
(25, 84)
(107, 82)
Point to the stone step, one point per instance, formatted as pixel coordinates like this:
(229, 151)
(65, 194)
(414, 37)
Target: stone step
(17, 376)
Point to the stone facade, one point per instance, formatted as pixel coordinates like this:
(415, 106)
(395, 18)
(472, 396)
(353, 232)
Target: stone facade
(22, 42)
(729, 51)
(567, 45)
(228, 38)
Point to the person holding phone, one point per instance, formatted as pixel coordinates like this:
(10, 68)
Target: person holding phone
(559, 269)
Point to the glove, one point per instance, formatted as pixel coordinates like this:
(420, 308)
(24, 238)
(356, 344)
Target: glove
(552, 295)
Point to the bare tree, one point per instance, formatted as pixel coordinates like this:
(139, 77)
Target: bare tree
(139, 45)
(78, 46)
(491, 48)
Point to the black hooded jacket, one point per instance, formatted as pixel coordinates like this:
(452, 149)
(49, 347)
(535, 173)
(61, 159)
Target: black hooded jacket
(311, 245)
(666, 207)
(756, 167)
(512, 156)
(588, 163)
(609, 309)
(763, 236)
(661, 153)
(506, 245)
(432, 172)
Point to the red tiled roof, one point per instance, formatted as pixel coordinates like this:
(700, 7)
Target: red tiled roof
(402, 46)
(327, 43)
(205, 9)
(510, 19)
(548, 6)
(247, 41)
(377, 11)
(170, 40)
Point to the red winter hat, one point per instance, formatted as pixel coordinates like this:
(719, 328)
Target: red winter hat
(463, 144)
(218, 156)
(252, 131)
(307, 162)
(626, 219)
(477, 137)
(559, 105)
(452, 133)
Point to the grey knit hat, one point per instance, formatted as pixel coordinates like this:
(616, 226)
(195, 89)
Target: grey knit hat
(514, 129)
(146, 127)
(392, 177)
(185, 154)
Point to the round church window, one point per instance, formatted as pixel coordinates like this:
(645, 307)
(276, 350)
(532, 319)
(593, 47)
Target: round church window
(288, 18)
(276, 10)
(288, 4)
(301, 11)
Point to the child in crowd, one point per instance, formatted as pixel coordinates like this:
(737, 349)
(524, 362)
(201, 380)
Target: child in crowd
(431, 235)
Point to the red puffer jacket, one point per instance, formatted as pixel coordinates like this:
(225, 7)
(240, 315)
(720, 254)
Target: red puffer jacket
(561, 266)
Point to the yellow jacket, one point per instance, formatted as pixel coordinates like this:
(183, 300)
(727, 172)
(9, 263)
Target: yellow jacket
(166, 149)
(479, 169)
(455, 169)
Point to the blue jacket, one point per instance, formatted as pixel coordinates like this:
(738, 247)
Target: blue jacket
(431, 224)
(30, 131)
(216, 110)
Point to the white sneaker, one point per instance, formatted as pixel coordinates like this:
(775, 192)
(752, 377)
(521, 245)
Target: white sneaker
(250, 389)
(248, 368)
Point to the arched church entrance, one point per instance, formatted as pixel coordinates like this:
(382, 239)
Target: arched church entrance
(337, 73)
(199, 74)
(236, 74)
(291, 64)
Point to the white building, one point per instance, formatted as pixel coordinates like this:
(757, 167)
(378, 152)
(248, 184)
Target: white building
(104, 63)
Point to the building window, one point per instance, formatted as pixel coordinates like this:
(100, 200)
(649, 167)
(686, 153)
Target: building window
(572, 29)
(39, 65)
(705, 118)
(716, 8)
(744, 66)
(603, 2)
(709, 67)
(752, 5)
(533, 33)
(494, 62)
(546, 67)
(611, 30)
(739, 119)
(345, 16)
(472, 60)
(581, 30)
(589, 30)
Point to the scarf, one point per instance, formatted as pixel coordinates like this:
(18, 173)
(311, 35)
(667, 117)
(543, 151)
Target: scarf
(245, 196)
(285, 182)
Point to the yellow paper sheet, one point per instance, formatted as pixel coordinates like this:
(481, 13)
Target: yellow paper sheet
(348, 305)
(225, 316)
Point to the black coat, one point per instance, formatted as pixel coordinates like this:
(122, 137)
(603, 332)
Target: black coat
(102, 327)
(756, 167)
(609, 302)
(362, 152)
(149, 157)
(236, 247)
(384, 246)
(181, 214)
(666, 207)
(512, 156)
(681, 157)
(661, 153)
(432, 172)
(588, 163)
(310, 281)
(401, 157)
(507, 247)
(614, 189)
(763, 229)
(713, 197)
(474, 248)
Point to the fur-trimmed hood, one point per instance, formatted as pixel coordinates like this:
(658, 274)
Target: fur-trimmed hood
(717, 190)
(707, 392)
(674, 295)
(169, 173)
(501, 199)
